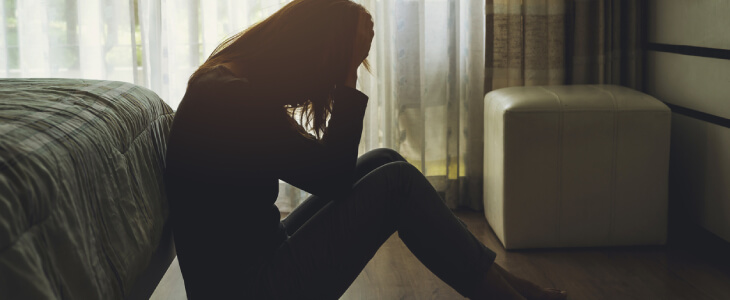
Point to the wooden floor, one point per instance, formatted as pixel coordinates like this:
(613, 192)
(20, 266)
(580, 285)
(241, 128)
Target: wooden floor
(603, 273)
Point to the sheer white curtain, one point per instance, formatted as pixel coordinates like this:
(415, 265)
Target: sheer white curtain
(427, 81)
(67, 38)
(427, 58)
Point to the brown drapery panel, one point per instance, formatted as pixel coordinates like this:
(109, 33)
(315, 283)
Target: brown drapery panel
(525, 43)
(605, 42)
(542, 42)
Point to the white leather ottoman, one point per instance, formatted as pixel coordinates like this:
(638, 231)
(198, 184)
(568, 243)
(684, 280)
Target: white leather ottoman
(575, 166)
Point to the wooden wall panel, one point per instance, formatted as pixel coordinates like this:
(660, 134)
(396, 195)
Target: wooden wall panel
(697, 83)
(701, 23)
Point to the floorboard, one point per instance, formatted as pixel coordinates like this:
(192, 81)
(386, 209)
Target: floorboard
(587, 273)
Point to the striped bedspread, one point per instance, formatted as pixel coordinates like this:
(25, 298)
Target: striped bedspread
(82, 204)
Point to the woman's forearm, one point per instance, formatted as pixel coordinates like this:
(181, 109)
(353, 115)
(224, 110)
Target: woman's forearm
(351, 79)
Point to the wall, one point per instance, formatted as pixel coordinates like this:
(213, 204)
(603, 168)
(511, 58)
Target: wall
(688, 67)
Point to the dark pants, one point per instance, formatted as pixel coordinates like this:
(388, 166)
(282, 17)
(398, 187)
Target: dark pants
(331, 240)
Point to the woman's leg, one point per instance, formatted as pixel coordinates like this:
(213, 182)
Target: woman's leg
(327, 253)
(366, 163)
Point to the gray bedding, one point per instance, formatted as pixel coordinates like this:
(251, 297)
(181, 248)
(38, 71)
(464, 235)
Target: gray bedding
(82, 204)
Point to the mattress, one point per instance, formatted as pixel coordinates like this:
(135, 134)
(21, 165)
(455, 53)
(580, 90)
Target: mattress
(82, 204)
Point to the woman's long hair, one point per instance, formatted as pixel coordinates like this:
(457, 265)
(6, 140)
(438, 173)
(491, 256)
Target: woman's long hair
(305, 47)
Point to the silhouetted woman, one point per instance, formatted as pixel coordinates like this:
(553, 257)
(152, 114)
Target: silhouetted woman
(235, 135)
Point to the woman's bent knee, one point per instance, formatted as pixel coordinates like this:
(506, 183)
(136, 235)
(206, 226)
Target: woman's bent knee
(374, 159)
(398, 172)
(396, 181)
(383, 155)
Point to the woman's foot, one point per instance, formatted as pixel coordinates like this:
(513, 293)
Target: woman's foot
(528, 289)
(494, 286)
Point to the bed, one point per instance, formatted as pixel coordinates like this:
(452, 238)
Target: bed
(83, 213)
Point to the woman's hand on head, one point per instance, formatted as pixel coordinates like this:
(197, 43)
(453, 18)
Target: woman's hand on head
(363, 40)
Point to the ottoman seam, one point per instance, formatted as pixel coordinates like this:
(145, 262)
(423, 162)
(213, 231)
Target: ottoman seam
(559, 198)
(614, 161)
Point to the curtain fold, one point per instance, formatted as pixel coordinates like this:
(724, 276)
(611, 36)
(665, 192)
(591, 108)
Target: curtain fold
(525, 42)
(540, 42)
(606, 42)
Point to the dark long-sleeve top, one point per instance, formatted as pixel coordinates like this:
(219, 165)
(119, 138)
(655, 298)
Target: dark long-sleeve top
(226, 152)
